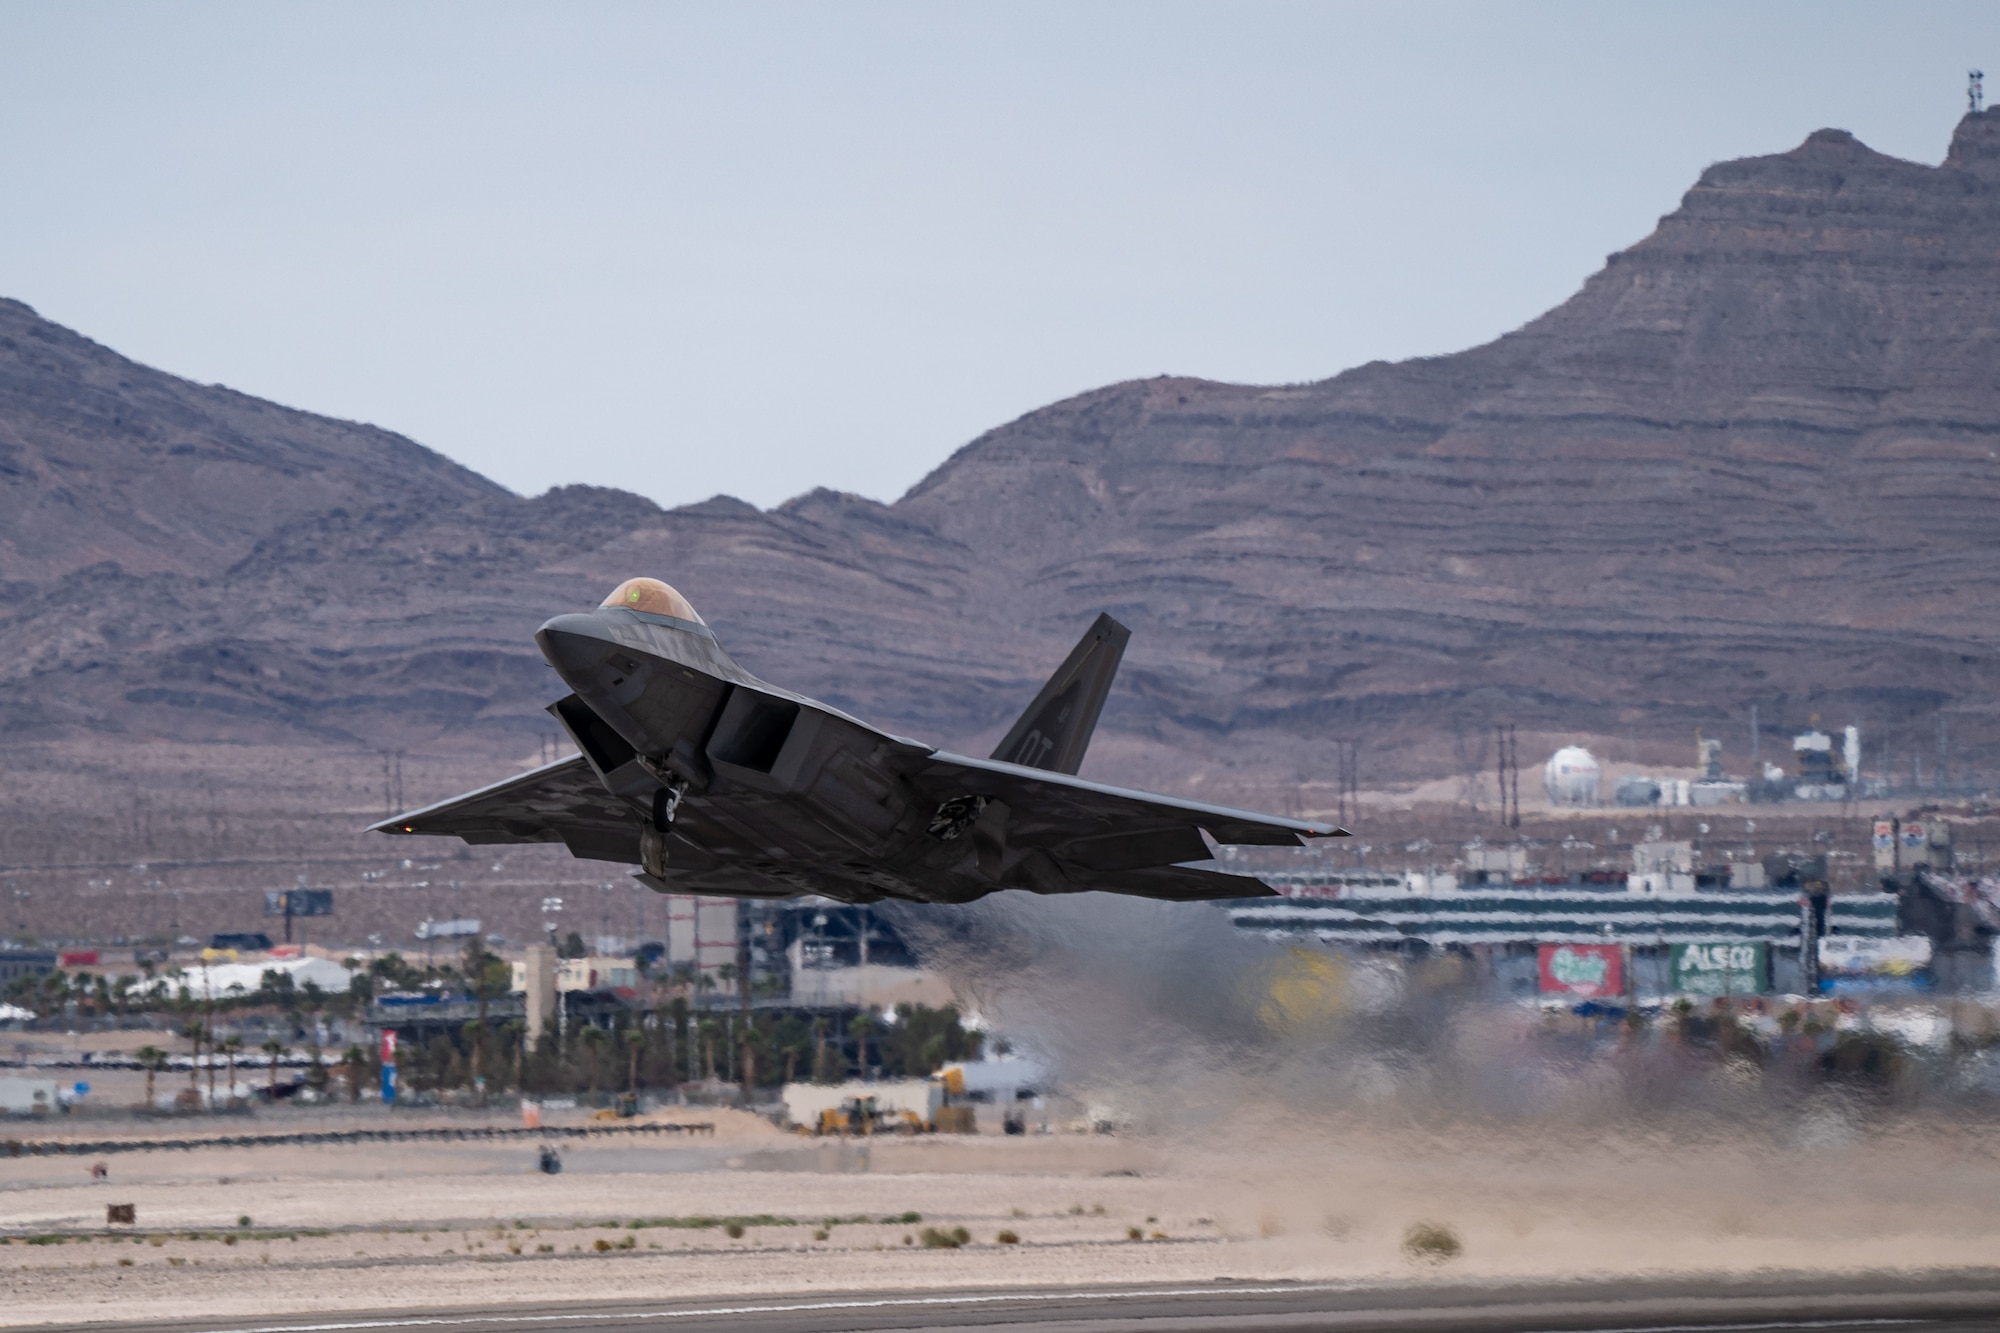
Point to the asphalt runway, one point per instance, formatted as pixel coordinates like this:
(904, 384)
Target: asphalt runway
(1950, 1303)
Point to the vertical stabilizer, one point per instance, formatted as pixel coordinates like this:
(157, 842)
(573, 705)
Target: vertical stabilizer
(1055, 731)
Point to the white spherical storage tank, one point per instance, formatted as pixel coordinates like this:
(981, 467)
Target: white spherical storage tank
(1571, 776)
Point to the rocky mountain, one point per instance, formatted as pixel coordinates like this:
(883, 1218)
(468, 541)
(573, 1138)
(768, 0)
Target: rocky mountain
(1755, 459)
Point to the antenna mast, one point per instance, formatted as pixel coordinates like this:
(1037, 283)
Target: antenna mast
(1975, 94)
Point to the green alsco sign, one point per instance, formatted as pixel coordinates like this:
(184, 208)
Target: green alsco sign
(1734, 968)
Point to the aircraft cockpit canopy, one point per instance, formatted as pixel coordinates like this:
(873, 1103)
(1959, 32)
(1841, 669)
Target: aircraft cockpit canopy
(653, 597)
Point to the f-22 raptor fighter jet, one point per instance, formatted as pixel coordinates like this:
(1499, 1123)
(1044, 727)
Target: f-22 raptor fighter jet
(713, 781)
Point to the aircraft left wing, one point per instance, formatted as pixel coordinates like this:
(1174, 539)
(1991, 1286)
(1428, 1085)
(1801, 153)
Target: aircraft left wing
(1058, 833)
(560, 802)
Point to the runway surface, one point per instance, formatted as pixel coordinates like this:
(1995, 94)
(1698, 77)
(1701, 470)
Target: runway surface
(1948, 1303)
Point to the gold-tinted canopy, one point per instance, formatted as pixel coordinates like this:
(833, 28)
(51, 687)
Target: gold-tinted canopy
(652, 596)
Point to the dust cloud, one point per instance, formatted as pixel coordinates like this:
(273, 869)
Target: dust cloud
(1335, 1098)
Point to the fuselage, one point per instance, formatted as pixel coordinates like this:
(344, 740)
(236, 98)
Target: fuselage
(669, 718)
(713, 781)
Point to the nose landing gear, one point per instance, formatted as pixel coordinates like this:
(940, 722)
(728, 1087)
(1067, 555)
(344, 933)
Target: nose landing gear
(653, 838)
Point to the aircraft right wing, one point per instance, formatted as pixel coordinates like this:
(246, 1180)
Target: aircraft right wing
(564, 802)
(560, 802)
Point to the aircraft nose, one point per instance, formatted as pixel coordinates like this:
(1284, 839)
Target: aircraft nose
(576, 645)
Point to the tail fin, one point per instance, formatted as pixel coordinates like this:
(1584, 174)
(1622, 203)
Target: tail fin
(1055, 730)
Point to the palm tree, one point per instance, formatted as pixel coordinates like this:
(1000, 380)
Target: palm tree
(593, 1038)
(154, 1059)
(487, 978)
(194, 1033)
(55, 994)
(635, 1041)
(230, 1046)
(275, 1048)
(707, 1030)
(820, 1071)
(861, 1028)
(353, 1059)
(514, 1034)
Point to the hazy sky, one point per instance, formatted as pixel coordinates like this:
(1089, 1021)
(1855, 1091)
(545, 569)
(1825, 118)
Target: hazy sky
(749, 248)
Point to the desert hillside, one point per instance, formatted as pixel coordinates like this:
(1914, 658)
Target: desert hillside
(1754, 459)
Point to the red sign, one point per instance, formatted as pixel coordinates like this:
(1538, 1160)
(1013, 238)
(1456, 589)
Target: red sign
(389, 1048)
(1590, 971)
(79, 958)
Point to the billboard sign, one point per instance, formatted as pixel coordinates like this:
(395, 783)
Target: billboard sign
(1855, 958)
(1734, 967)
(463, 928)
(388, 1066)
(1588, 971)
(298, 902)
(1885, 844)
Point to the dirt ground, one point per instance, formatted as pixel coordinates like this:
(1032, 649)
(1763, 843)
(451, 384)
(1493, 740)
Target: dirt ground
(370, 1226)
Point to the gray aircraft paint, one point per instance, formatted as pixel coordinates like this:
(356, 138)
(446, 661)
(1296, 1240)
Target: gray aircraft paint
(713, 781)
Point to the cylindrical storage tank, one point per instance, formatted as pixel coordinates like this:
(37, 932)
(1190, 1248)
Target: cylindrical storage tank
(1572, 776)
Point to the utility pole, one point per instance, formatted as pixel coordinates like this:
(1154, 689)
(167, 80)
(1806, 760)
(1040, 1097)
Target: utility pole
(1509, 773)
(1810, 908)
(1347, 781)
(1514, 763)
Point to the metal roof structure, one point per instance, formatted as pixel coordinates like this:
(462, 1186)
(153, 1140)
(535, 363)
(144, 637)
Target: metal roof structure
(1514, 916)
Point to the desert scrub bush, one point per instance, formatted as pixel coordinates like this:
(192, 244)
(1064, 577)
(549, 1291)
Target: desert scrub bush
(1431, 1243)
(733, 1230)
(703, 1221)
(1133, 1233)
(934, 1239)
(1007, 1238)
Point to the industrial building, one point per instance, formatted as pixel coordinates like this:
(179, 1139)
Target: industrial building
(1505, 929)
(1671, 923)
(1824, 768)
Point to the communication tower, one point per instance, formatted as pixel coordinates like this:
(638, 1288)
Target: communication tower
(1975, 94)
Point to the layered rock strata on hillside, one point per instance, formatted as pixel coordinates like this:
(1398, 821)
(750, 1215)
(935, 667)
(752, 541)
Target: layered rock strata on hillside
(1756, 457)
